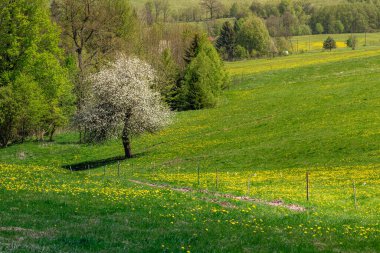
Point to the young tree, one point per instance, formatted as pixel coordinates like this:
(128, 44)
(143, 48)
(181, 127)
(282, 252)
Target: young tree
(204, 78)
(234, 10)
(168, 74)
(253, 35)
(193, 50)
(329, 43)
(227, 40)
(123, 103)
(351, 42)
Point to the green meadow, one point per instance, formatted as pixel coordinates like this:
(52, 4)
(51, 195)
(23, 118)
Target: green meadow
(228, 179)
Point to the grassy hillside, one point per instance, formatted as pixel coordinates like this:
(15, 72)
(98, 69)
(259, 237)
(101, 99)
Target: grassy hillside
(325, 113)
(316, 112)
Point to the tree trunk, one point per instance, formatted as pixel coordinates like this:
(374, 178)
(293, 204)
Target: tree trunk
(52, 131)
(127, 146)
(79, 90)
(126, 137)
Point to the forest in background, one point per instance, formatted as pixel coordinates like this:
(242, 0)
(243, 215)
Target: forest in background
(49, 49)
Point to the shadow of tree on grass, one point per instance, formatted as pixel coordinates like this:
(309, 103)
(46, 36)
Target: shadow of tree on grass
(93, 164)
(88, 165)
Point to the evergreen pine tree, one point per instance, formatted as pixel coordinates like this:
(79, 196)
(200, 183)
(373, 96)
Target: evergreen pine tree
(168, 75)
(227, 40)
(193, 50)
(204, 78)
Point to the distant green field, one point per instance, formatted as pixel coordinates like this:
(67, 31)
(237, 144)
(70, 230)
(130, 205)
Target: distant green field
(248, 67)
(316, 112)
(315, 42)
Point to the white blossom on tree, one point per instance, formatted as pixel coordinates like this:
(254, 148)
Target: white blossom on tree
(123, 103)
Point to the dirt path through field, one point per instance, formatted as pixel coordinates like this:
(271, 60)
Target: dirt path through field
(277, 203)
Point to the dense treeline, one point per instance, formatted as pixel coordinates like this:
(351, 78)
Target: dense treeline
(301, 18)
(284, 18)
(50, 50)
(35, 85)
(281, 20)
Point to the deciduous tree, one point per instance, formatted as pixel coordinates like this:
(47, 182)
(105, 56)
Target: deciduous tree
(212, 6)
(94, 31)
(35, 87)
(123, 103)
(253, 35)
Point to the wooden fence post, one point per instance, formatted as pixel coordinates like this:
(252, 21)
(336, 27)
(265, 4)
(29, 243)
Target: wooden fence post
(307, 185)
(354, 191)
(249, 186)
(198, 172)
(216, 178)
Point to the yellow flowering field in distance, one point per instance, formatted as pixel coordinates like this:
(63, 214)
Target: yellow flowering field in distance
(244, 68)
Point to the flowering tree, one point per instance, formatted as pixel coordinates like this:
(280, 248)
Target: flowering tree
(123, 103)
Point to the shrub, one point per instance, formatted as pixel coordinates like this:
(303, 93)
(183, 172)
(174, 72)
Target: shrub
(329, 43)
(352, 42)
(241, 52)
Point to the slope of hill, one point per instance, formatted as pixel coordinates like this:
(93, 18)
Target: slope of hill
(323, 110)
(254, 150)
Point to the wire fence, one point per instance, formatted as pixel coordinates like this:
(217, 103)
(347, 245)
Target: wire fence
(346, 187)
